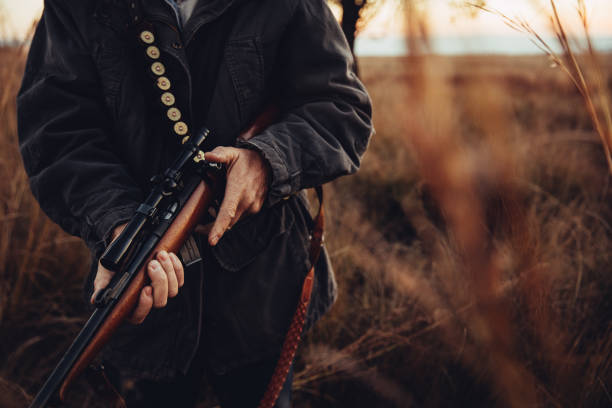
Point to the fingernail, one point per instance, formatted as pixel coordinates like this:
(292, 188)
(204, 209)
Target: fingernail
(163, 254)
(148, 291)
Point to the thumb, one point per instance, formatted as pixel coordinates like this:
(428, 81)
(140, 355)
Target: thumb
(103, 277)
(222, 154)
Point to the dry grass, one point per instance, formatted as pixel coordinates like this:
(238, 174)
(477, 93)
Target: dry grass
(41, 268)
(472, 249)
(477, 272)
(581, 63)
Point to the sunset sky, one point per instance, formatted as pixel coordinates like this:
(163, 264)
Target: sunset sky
(445, 20)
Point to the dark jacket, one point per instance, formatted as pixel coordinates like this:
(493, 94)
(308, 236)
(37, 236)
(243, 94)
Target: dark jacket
(92, 133)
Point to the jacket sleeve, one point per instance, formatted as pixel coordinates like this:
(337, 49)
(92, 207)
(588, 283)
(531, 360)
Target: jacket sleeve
(64, 128)
(326, 124)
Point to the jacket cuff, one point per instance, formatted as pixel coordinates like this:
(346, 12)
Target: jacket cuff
(281, 183)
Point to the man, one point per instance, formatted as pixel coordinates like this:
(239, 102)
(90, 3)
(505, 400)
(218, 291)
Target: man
(111, 88)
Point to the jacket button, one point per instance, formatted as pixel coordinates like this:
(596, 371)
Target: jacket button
(163, 83)
(185, 139)
(158, 68)
(174, 114)
(180, 128)
(167, 99)
(147, 37)
(153, 52)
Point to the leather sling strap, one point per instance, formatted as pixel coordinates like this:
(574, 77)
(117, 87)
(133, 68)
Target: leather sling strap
(294, 334)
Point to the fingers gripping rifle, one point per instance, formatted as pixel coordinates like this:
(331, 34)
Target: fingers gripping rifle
(179, 198)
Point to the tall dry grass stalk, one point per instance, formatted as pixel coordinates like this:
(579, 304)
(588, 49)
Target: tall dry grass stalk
(486, 249)
(582, 66)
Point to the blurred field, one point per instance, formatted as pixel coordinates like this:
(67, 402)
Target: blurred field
(492, 290)
(472, 250)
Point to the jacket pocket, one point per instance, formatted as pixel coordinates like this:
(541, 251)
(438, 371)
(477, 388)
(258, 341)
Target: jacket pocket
(250, 310)
(245, 63)
(251, 236)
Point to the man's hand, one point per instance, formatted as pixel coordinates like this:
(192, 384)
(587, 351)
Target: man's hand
(166, 274)
(246, 188)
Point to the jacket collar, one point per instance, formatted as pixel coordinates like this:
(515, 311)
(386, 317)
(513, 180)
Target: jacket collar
(204, 12)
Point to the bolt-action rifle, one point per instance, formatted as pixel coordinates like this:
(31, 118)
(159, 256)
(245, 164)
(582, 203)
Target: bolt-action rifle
(163, 222)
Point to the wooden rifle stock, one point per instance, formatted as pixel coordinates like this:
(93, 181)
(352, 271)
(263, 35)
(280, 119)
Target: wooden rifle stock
(173, 239)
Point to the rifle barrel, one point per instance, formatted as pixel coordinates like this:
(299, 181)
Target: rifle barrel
(60, 372)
